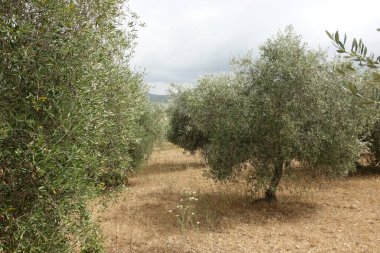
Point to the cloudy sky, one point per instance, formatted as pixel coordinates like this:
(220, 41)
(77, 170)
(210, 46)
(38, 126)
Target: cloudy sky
(185, 39)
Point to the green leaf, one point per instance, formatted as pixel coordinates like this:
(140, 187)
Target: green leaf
(378, 29)
(352, 88)
(337, 37)
(354, 47)
(341, 45)
(350, 67)
(341, 51)
(329, 34)
(340, 71)
(362, 49)
(365, 103)
(376, 76)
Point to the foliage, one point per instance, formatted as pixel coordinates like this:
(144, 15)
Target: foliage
(160, 117)
(358, 54)
(182, 129)
(358, 61)
(374, 141)
(269, 112)
(71, 111)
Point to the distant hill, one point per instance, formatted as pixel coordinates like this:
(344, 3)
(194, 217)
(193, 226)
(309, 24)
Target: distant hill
(154, 98)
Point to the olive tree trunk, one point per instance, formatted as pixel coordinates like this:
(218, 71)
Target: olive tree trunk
(270, 194)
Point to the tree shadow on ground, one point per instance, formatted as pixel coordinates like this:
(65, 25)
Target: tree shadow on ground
(170, 212)
(368, 170)
(170, 167)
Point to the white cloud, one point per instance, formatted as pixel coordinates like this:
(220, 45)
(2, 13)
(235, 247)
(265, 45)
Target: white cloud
(185, 39)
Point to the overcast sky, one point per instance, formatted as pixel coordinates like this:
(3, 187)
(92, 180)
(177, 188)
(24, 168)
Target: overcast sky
(185, 39)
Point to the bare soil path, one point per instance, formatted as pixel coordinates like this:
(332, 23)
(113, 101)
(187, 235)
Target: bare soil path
(171, 207)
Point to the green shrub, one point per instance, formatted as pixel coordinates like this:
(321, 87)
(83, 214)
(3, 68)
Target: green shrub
(71, 109)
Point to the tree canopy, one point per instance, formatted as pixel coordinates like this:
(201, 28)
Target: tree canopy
(75, 118)
(271, 111)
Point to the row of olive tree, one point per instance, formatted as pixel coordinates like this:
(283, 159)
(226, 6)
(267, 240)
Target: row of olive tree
(284, 106)
(74, 118)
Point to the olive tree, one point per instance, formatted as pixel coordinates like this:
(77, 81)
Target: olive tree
(299, 114)
(71, 109)
(211, 118)
(281, 107)
(182, 127)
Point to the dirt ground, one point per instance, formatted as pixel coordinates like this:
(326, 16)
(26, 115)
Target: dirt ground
(170, 206)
